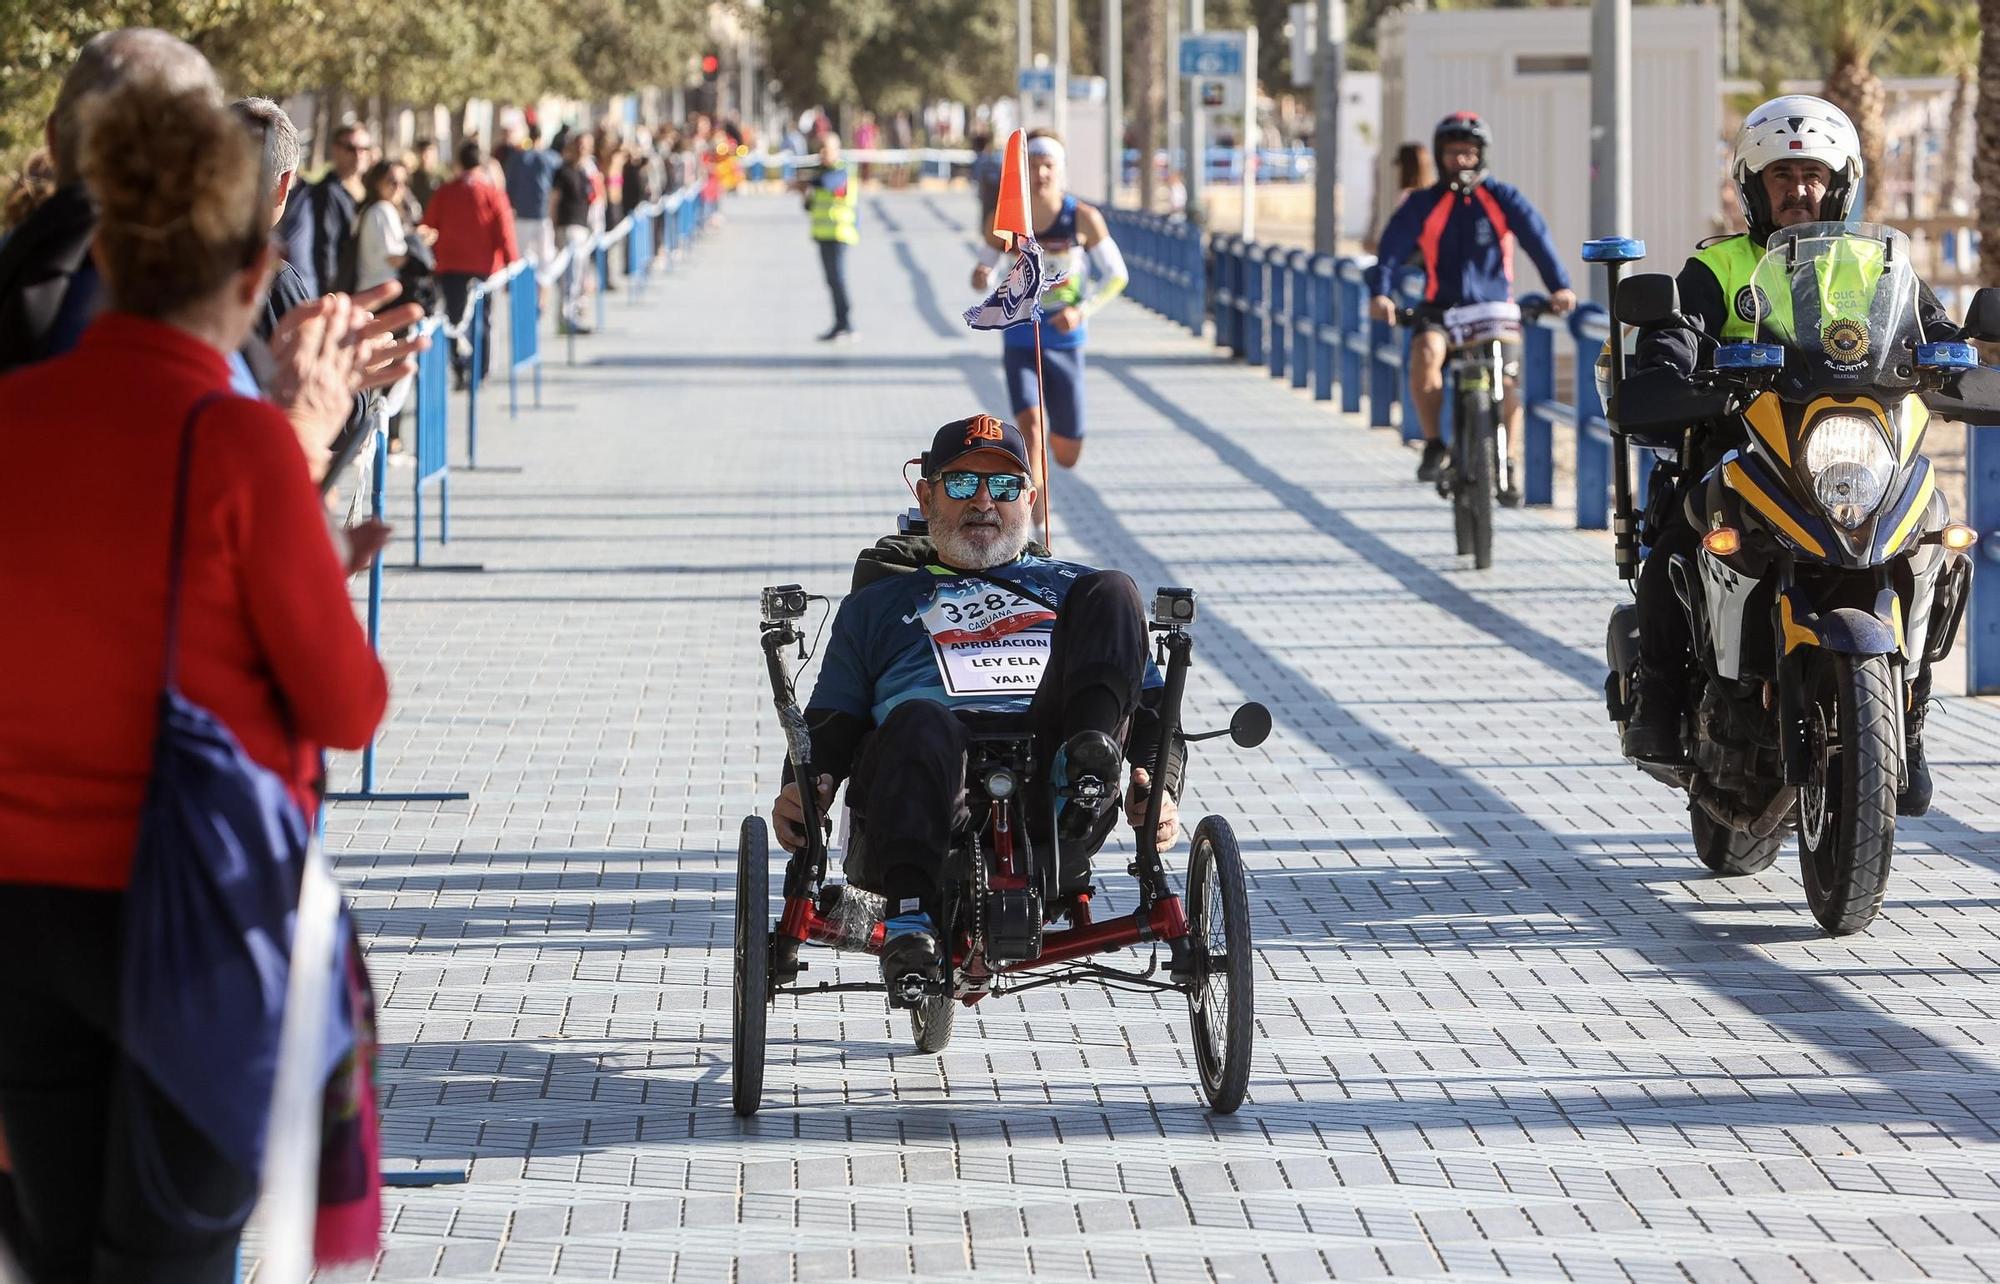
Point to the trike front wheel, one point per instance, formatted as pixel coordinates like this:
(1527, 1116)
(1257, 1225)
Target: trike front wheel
(752, 987)
(1221, 1004)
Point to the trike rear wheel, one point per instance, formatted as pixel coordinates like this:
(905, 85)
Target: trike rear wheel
(1220, 1000)
(753, 967)
(931, 1021)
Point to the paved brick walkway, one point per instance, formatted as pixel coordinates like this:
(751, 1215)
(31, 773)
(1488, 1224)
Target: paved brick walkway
(1509, 1029)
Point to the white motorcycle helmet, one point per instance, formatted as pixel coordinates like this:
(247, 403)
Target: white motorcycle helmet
(1796, 127)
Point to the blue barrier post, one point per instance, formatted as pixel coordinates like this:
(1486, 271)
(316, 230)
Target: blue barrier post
(1274, 313)
(1591, 326)
(432, 419)
(1196, 277)
(1982, 513)
(1356, 336)
(1224, 303)
(1412, 426)
(475, 317)
(1538, 389)
(378, 497)
(524, 333)
(1250, 300)
(1305, 336)
(600, 255)
(1385, 362)
(1326, 334)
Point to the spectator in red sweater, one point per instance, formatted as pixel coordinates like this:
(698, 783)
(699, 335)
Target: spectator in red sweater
(475, 239)
(268, 643)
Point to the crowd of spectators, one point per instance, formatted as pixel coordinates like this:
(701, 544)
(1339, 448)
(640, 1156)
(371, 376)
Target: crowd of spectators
(164, 530)
(194, 341)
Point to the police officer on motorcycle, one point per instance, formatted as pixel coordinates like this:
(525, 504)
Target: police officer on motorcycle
(1797, 160)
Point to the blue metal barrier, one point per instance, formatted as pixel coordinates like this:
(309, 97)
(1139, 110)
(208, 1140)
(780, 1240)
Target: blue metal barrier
(639, 251)
(1982, 617)
(475, 324)
(1590, 326)
(1323, 317)
(378, 496)
(433, 421)
(524, 333)
(1163, 260)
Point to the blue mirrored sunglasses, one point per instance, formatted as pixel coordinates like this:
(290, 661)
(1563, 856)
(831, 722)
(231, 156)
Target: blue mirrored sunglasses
(963, 485)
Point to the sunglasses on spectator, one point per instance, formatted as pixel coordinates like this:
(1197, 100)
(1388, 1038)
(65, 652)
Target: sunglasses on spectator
(1005, 488)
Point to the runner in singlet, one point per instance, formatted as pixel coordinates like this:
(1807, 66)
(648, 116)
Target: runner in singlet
(1073, 238)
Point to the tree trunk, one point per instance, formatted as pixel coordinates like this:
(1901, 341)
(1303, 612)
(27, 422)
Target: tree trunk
(1986, 156)
(1146, 75)
(1854, 88)
(1958, 146)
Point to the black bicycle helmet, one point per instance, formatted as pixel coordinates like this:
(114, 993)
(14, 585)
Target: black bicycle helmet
(1461, 127)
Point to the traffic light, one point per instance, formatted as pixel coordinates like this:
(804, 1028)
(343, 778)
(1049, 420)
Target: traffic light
(710, 64)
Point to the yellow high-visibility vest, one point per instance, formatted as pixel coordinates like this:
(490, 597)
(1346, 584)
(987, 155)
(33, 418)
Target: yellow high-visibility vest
(835, 212)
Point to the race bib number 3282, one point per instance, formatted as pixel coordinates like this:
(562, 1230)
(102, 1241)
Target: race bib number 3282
(988, 641)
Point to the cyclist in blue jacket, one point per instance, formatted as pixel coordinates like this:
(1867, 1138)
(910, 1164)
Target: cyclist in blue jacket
(1462, 232)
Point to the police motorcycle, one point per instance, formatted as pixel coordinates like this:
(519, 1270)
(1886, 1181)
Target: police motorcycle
(1012, 921)
(1827, 571)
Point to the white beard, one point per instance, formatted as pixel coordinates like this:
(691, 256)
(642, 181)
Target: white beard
(975, 547)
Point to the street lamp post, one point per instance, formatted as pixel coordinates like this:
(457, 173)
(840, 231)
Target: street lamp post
(1114, 98)
(1329, 61)
(1610, 128)
(1059, 109)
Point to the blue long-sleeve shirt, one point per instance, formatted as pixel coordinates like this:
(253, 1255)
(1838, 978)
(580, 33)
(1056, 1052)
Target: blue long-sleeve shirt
(1465, 244)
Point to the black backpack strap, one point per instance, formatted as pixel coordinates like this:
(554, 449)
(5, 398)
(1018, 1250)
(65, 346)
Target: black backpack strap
(177, 541)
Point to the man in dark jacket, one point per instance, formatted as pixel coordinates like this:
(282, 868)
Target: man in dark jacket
(336, 206)
(1463, 230)
(48, 286)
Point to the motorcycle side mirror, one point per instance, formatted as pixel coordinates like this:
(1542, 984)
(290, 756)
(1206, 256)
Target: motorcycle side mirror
(1249, 727)
(1982, 317)
(1650, 298)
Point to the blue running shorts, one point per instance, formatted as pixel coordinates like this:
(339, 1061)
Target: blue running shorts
(1062, 397)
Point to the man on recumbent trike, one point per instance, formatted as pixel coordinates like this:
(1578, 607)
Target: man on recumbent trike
(986, 637)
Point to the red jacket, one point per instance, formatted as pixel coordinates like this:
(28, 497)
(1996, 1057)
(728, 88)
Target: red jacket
(268, 634)
(474, 224)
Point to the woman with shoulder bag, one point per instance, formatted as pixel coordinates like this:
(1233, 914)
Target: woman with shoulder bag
(174, 592)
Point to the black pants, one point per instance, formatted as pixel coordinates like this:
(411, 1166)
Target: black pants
(908, 787)
(833, 259)
(72, 1106)
(1664, 642)
(456, 288)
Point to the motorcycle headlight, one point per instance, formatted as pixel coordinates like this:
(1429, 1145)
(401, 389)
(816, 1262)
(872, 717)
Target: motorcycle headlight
(1850, 465)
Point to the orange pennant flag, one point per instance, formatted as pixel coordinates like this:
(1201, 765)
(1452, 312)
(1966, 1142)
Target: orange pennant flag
(1010, 215)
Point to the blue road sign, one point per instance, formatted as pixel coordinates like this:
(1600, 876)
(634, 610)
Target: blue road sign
(1212, 53)
(1037, 80)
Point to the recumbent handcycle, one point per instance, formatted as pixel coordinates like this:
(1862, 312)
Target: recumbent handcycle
(1007, 912)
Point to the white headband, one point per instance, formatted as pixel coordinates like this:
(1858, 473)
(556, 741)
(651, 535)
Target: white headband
(1048, 147)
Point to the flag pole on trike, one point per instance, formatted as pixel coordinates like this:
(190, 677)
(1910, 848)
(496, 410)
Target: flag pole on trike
(1016, 300)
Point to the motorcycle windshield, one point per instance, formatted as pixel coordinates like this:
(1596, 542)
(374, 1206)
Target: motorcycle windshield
(1841, 298)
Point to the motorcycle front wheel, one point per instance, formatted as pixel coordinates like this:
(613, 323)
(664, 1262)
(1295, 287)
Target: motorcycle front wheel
(1847, 807)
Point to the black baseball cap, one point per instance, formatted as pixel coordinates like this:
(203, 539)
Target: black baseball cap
(962, 437)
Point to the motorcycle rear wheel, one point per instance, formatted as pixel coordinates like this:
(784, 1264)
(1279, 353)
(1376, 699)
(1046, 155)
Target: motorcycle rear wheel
(1847, 809)
(1729, 851)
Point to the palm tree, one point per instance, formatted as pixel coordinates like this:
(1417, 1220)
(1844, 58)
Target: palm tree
(1959, 58)
(1855, 31)
(1986, 157)
(1944, 41)
(1146, 73)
